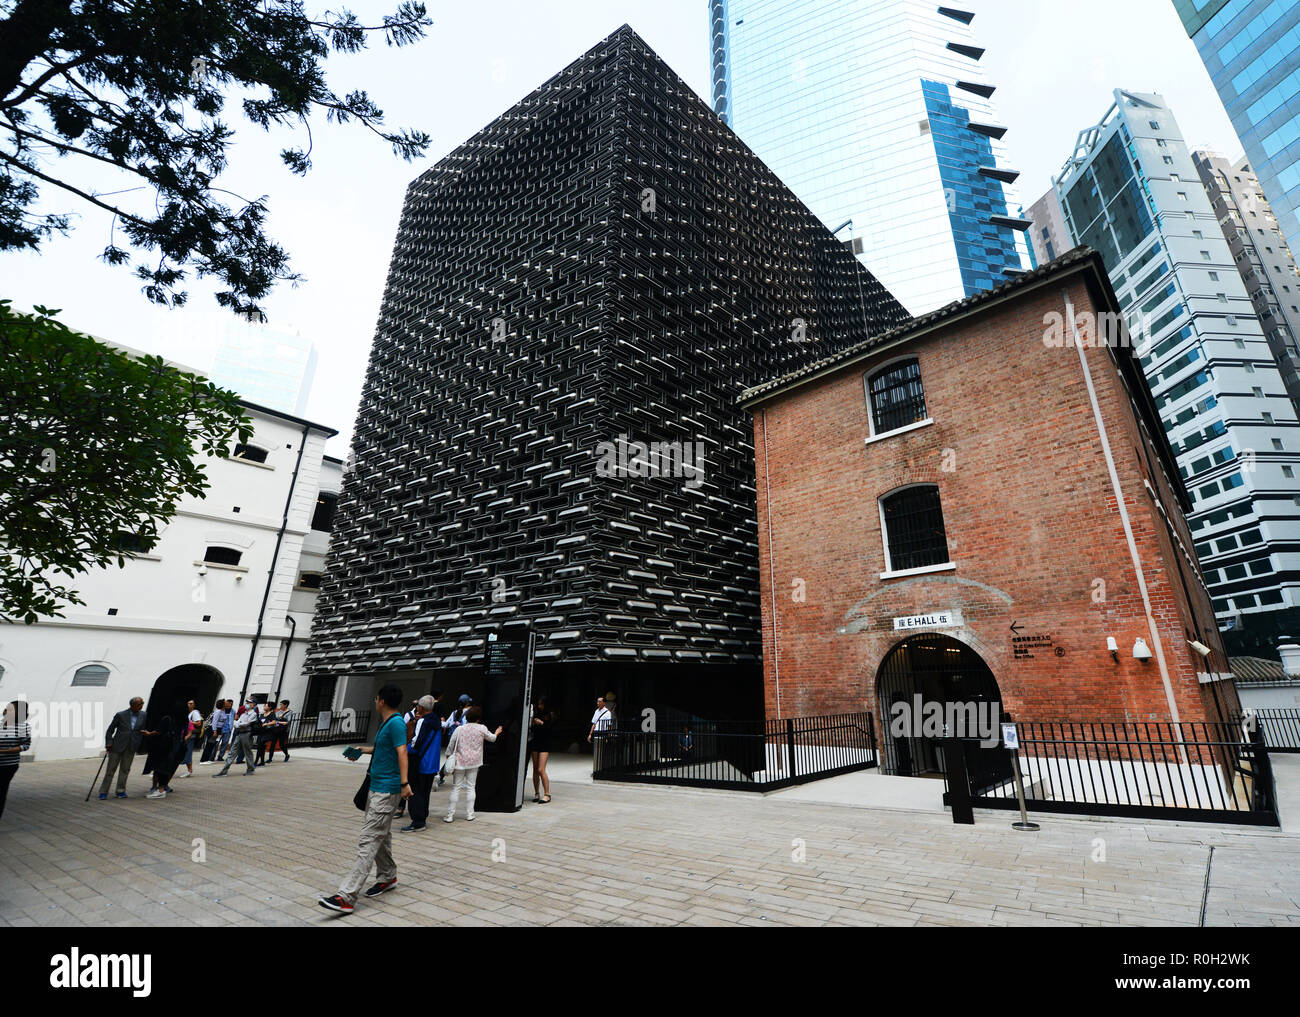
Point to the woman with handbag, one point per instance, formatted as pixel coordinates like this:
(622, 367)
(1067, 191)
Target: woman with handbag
(465, 756)
(193, 732)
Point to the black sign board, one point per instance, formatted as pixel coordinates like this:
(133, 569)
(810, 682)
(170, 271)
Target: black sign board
(507, 701)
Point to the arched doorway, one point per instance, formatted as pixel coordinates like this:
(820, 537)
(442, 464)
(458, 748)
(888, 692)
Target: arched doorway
(175, 687)
(938, 669)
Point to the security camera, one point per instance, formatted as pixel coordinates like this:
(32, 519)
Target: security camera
(1199, 647)
(1112, 646)
(203, 570)
(1141, 651)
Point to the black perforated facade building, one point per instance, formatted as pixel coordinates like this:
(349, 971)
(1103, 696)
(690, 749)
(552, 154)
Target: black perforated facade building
(605, 264)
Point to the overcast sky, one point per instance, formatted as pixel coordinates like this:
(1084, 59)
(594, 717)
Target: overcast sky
(1055, 64)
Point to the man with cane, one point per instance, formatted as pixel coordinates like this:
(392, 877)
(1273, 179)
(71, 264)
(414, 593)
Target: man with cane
(121, 743)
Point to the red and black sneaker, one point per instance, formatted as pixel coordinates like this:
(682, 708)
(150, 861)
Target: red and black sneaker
(336, 903)
(380, 887)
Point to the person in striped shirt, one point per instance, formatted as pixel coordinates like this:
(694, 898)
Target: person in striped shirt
(15, 739)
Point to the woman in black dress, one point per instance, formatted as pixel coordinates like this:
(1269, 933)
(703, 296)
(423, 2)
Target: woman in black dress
(540, 747)
(166, 748)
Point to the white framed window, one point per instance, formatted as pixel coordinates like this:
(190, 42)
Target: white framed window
(217, 555)
(896, 397)
(249, 453)
(912, 530)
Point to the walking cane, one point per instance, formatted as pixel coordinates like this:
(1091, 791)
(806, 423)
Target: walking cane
(97, 773)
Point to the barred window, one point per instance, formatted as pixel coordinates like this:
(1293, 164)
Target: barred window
(897, 397)
(914, 533)
(91, 674)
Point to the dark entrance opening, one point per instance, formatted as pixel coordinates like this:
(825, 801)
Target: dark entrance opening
(939, 670)
(179, 685)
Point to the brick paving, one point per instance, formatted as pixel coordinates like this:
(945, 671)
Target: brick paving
(606, 855)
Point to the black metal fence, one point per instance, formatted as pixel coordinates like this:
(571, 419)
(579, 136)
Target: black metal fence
(741, 756)
(1279, 726)
(344, 727)
(1207, 772)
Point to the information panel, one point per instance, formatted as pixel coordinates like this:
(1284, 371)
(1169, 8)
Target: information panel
(507, 702)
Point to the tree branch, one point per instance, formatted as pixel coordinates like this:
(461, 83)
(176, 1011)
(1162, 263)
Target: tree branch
(23, 167)
(35, 86)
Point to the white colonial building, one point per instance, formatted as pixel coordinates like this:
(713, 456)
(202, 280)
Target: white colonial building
(220, 607)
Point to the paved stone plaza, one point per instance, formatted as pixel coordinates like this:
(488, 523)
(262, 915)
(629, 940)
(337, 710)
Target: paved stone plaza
(606, 855)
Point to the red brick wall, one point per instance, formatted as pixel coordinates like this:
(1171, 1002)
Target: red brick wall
(1031, 520)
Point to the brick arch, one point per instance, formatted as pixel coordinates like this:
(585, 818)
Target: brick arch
(941, 669)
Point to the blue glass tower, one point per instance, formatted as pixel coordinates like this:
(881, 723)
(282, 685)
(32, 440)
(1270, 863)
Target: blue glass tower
(1252, 50)
(877, 114)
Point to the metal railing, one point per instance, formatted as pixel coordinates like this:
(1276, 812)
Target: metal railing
(738, 755)
(344, 727)
(1280, 727)
(1211, 772)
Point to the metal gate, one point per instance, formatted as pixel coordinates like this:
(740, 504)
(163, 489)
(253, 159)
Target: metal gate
(937, 669)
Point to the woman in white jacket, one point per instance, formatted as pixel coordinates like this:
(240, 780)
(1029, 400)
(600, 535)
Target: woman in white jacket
(465, 754)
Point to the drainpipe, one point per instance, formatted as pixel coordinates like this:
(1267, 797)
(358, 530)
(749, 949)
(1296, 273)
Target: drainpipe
(293, 631)
(771, 566)
(275, 559)
(1152, 630)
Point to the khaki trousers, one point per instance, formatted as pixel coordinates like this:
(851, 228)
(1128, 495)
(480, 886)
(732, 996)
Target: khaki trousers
(375, 847)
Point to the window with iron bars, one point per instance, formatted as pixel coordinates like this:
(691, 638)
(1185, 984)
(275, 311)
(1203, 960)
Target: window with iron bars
(897, 397)
(914, 532)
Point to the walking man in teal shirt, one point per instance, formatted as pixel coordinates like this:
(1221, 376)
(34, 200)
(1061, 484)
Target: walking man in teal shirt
(388, 787)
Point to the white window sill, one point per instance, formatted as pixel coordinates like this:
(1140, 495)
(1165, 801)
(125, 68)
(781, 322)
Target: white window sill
(218, 565)
(249, 462)
(946, 567)
(140, 556)
(900, 430)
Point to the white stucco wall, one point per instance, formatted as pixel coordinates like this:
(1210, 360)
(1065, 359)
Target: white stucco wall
(160, 600)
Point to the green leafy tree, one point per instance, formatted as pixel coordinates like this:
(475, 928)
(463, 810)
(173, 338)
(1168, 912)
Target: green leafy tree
(140, 85)
(96, 450)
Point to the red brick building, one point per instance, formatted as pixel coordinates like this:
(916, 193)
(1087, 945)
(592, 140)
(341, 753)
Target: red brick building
(972, 507)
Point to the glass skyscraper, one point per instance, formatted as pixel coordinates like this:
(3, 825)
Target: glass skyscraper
(878, 112)
(1252, 50)
(267, 365)
(1132, 191)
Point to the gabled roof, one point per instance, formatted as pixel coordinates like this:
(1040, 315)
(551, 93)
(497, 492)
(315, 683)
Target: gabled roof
(1072, 260)
(1081, 260)
(1256, 669)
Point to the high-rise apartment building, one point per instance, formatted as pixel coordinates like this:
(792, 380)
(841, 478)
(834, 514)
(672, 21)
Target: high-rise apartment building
(878, 113)
(1264, 261)
(1252, 50)
(1132, 192)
